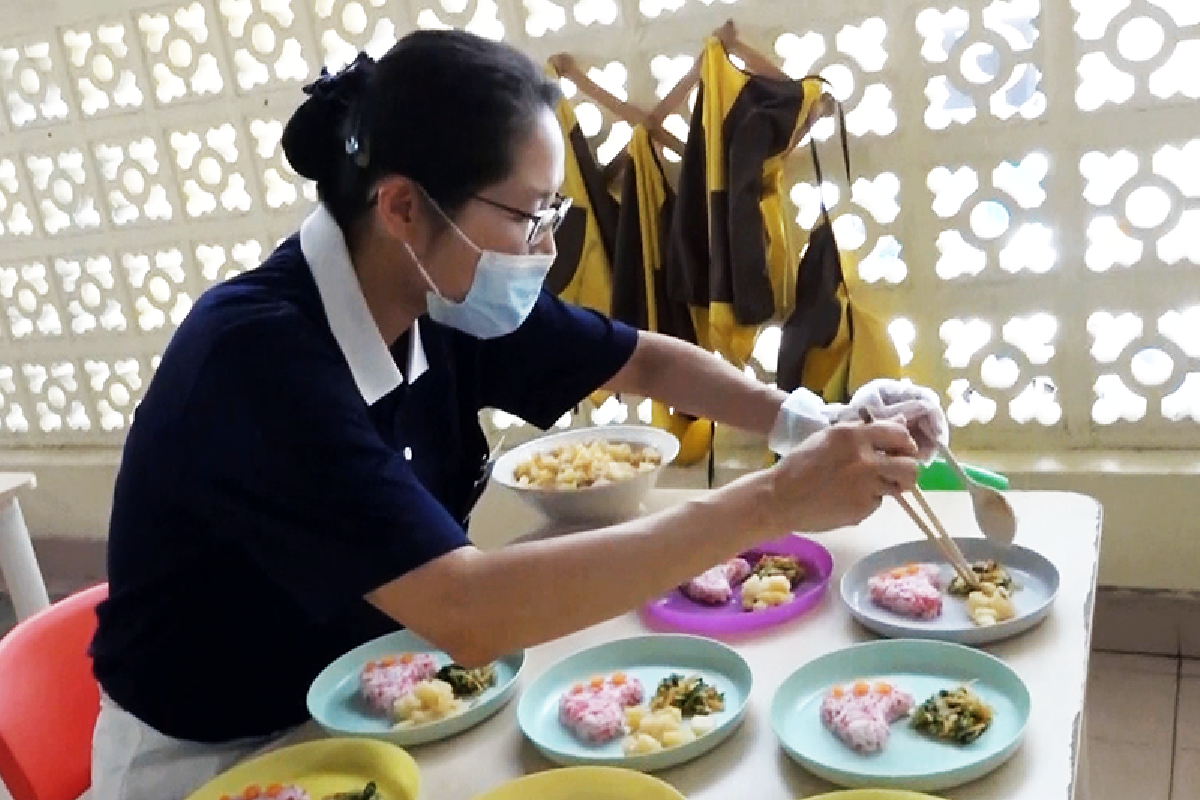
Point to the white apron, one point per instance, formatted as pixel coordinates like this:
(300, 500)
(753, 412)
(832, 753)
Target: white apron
(132, 761)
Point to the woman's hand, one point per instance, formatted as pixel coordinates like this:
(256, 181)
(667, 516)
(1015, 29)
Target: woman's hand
(838, 476)
(479, 605)
(918, 407)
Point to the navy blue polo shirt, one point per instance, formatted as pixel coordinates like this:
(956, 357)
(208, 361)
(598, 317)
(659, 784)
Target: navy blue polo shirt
(282, 465)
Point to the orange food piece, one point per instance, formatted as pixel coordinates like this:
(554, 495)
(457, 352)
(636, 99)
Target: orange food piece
(883, 687)
(596, 682)
(618, 679)
(898, 572)
(577, 688)
(838, 692)
(407, 658)
(390, 661)
(860, 688)
(370, 665)
(274, 790)
(911, 569)
(252, 792)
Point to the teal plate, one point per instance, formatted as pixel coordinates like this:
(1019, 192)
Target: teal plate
(910, 760)
(335, 704)
(649, 659)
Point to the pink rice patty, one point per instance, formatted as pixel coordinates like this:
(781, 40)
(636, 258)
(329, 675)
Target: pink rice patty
(596, 714)
(384, 682)
(863, 722)
(918, 594)
(714, 587)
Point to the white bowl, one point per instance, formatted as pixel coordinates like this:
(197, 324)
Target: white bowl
(612, 501)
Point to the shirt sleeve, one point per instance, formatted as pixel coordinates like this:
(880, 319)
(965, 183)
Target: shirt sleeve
(560, 355)
(283, 455)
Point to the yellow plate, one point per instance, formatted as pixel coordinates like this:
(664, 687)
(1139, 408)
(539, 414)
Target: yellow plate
(322, 768)
(874, 794)
(584, 783)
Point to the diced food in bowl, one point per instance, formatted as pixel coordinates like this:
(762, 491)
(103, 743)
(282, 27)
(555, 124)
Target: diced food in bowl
(596, 462)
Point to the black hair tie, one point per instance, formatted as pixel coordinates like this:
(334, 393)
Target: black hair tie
(345, 92)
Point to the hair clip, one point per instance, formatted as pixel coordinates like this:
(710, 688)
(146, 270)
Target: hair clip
(345, 89)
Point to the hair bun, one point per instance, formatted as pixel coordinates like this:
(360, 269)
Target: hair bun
(324, 130)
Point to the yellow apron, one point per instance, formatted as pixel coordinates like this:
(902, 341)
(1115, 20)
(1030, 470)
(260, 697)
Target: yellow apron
(731, 250)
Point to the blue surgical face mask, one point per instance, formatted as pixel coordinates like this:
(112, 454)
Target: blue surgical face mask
(501, 296)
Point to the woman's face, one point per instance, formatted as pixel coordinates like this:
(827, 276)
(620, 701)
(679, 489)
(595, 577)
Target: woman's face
(536, 176)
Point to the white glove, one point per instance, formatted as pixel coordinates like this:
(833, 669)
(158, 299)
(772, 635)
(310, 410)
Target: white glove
(919, 407)
(801, 415)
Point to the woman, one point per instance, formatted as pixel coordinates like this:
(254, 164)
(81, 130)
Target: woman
(301, 466)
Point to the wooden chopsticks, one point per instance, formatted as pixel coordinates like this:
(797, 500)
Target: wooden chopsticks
(941, 539)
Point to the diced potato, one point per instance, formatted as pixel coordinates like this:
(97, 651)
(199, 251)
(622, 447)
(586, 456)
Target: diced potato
(656, 724)
(773, 598)
(634, 716)
(777, 583)
(679, 736)
(640, 744)
(584, 464)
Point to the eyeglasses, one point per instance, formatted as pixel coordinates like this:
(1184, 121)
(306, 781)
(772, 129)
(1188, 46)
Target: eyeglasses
(543, 222)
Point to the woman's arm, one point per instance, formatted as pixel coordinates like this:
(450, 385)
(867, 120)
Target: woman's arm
(697, 382)
(479, 605)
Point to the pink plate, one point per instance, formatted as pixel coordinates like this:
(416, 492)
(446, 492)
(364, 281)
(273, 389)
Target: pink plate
(674, 611)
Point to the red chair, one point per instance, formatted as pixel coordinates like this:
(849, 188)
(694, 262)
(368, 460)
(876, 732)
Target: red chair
(49, 701)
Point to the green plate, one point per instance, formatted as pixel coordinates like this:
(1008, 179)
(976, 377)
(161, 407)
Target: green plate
(910, 760)
(334, 701)
(649, 659)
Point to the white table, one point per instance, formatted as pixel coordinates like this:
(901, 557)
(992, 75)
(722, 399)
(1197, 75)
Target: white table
(17, 560)
(1052, 659)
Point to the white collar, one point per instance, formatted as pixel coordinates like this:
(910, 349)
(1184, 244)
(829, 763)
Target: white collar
(367, 354)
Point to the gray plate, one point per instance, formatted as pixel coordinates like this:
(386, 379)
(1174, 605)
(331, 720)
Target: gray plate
(1036, 579)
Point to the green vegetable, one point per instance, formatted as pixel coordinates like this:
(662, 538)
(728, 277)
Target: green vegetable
(987, 571)
(692, 696)
(788, 567)
(957, 715)
(468, 682)
(369, 792)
